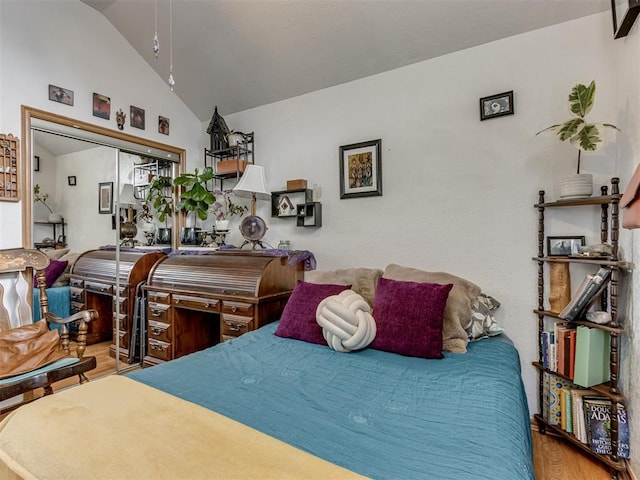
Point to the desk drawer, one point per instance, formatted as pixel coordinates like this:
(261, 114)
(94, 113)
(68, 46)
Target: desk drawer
(76, 307)
(158, 297)
(159, 349)
(158, 312)
(101, 288)
(76, 282)
(159, 331)
(235, 325)
(123, 304)
(196, 303)
(76, 294)
(124, 338)
(120, 321)
(238, 308)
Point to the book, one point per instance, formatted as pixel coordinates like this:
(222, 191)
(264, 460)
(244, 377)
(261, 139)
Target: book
(565, 410)
(591, 357)
(595, 284)
(598, 412)
(556, 384)
(572, 353)
(546, 376)
(577, 410)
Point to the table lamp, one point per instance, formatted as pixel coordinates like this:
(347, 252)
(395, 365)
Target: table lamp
(254, 185)
(128, 228)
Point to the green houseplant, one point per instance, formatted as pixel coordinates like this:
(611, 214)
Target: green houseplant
(158, 197)
(195, 199)
(586, 137)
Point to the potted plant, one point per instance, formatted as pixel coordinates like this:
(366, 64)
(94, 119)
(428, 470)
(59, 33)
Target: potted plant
(158, 198)
(195, 200)
(38, 196)
(587, 137)
(224, 208)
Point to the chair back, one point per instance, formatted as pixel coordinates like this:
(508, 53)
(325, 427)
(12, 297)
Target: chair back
(18, 266)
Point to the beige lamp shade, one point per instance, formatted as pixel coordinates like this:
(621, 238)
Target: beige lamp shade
(253, 182)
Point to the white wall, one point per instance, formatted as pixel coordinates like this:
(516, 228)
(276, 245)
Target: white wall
(458, 193)
(69, 44)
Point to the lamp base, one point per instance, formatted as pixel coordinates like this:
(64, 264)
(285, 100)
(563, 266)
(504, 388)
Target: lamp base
(128, 231)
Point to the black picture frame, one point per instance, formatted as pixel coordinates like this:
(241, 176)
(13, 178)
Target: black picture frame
(136, 117)
(36, 163)
(624, 14)
(61, 95)
(497, 105)
(361, 169)
(71, 180)
(564, 246)
(105, 198)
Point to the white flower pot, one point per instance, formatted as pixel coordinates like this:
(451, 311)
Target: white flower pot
(55, 218)
(576, 186)
(222, 225)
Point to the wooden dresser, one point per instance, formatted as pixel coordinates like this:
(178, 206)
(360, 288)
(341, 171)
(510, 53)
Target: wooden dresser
(93, 285)
(197, 301)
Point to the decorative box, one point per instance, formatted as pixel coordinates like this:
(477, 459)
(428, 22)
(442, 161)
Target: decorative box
(297, 184)
(230, 166)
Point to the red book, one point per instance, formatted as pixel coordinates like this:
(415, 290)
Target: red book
(572, 353)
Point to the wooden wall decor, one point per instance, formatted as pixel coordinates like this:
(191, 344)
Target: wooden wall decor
(9, 153)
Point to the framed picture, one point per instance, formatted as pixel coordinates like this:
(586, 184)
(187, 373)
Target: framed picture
(71, 180)
(361, 169)
(624, 13)
(163, 125)
(105, 198)
(137, 117)
(564, 246)
(101, 106)
(60, 95)
(496, 105)
(36, 163)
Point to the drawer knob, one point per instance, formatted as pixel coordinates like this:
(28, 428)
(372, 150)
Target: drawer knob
(157, 330)
(155, 312)
(235, 327)
(234, 309)
(157, 346)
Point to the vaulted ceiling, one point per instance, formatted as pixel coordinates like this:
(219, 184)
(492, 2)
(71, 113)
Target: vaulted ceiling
(240, 54)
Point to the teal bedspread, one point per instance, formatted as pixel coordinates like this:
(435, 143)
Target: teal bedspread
(59, 302)
(379, 414)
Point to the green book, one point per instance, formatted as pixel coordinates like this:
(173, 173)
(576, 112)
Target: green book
(592, 356)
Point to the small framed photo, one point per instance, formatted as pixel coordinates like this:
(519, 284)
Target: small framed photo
(137, 117)
(60, 95)
(101, 106)
(36, 163)
(71, 180)
(624, 13)
(105, 198)
(564, 246)
(163, 125)
(496, 105)
(361, 169)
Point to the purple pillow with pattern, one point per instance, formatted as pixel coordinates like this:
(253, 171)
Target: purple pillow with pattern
(409, 317)
(299, 315)
(52, 272)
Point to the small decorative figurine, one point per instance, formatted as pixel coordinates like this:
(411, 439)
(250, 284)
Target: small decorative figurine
(120, 118)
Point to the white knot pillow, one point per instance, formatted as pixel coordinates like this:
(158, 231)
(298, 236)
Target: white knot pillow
(346, 321)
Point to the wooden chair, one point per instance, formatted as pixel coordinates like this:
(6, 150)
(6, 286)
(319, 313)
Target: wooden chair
(23, 365)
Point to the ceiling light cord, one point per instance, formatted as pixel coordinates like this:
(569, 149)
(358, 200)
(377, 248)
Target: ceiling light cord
(156, 43)
(171, 81)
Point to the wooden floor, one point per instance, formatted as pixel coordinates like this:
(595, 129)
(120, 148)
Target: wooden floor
(553, 459)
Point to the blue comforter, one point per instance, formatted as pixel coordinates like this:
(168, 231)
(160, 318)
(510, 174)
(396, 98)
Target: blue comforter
(379, 414)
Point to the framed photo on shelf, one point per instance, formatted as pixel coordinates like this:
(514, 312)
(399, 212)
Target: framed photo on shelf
(71, 180)
(36, 163)
(624, 13)
(105, 198)
(361, 169)
(496, 105)
(564, 246)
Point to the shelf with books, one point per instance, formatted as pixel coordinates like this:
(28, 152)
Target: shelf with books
(582, 356)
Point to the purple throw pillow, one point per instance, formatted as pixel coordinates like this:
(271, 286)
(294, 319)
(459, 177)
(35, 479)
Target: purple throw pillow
(409, 317)
(52, 272)
(299, 315)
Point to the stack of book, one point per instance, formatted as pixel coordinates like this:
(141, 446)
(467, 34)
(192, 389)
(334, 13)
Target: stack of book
(584, 414)
(588, 291)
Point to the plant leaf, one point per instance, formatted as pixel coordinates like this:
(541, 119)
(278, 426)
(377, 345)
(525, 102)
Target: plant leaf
(570, 128)
(581, 99)
(590, 138)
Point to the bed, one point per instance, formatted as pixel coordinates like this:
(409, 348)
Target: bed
(279, 403)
